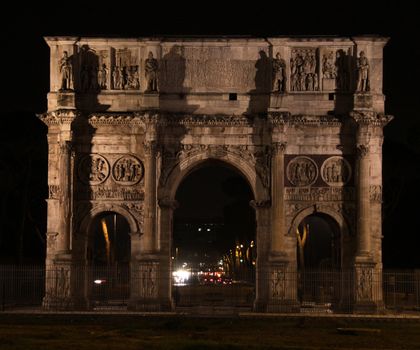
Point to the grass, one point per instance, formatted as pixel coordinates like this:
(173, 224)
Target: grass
(136, 332)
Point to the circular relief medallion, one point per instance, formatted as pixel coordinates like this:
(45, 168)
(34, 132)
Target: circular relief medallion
(302, 171)
(127, 170)
(336, 171)
(93, 169)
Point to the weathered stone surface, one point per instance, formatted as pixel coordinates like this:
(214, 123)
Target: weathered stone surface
(135, 116)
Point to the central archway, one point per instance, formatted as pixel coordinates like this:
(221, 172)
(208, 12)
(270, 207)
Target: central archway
(214, 238)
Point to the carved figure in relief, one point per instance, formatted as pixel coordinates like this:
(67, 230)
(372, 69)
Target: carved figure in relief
(151, 68)
(328, 66)
(66, 72)
(279, 74)
(363, 73)
(116, 78)
(102, 76)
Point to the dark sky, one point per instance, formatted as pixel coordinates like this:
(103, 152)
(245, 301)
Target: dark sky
(25, 73)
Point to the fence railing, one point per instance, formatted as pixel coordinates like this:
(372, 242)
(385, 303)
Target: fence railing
(103, 288)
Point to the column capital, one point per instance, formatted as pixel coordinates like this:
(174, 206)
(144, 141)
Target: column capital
(150, 147)
(370, 118)
(278, 147)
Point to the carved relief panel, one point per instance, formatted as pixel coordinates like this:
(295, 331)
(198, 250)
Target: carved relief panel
(127, 170)
(318, 171)
(304, 69)
(336, 171)
(93, 69)
(93, 169)
(125, 74)
(114, 177)
(336, 68)
(302, 171)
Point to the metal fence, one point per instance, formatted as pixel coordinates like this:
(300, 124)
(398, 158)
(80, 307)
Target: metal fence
(40, 288)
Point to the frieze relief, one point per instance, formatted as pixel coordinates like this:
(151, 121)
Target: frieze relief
(107, 192)
(127, 170)
(319, 194)
(336, 171)
(347, 209)
(302, 171)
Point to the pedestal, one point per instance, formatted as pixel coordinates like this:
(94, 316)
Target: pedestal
(367, 287)
(66, 99)
(64, 285)
(282, 293)
(362, 101)
(147, 286)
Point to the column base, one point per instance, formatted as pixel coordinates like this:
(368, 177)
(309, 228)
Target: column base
(150, 305)
(368, 307)
(283, 306)
(52, 303)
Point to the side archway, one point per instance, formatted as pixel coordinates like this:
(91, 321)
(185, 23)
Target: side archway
(314, 209)
(88, 219)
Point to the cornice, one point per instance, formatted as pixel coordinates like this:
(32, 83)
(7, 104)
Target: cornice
(371, 118)
(205, 120)
(282, 118)
(120, 119)
(59, 117)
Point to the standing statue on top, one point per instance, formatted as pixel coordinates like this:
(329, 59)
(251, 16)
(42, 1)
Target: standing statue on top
(151, 69)
(279, 74)
(363, 73)
(65, 67)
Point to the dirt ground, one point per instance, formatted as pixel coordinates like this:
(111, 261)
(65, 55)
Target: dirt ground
(177, 332)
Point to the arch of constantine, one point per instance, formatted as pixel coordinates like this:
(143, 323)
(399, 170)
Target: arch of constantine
(301, 119)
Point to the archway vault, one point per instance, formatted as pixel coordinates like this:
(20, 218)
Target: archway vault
(320, 209)
(244, 167)
(107, 207)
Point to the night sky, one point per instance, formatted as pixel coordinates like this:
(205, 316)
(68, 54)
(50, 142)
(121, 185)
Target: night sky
(25, 73)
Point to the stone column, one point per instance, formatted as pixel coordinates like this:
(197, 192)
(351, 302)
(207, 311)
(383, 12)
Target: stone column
(363, 201)
(146, 271)
(59, 291)
(282, 284)
(364, 266)
(65, 171)
(148, 244)
(262, 215)
(277, 200)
